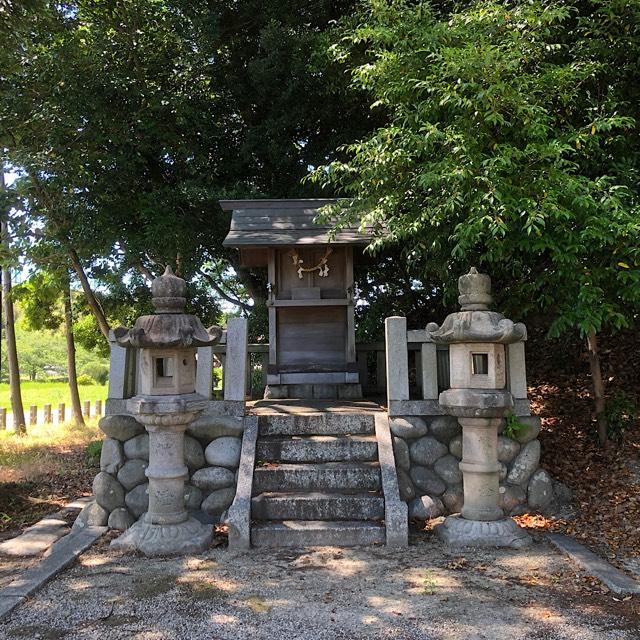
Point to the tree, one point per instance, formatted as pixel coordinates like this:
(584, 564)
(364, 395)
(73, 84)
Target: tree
(19, 423)
(126, 154)
(511, 142)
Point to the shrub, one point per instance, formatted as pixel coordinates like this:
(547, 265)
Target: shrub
(98, 371)
(92, 453)
(621, 412)
(84, 379)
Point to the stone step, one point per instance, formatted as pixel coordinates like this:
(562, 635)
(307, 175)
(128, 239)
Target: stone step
(329, 476)
(318, 448)
(317, 506)
(312, 533)
(316, 424)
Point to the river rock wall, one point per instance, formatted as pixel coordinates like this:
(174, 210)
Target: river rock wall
(428, 450)
(212, 454)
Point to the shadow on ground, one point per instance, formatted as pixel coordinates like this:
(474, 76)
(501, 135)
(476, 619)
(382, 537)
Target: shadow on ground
(425, 592)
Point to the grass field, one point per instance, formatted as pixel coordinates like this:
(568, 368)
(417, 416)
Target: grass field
(43, 470)
(41, 393)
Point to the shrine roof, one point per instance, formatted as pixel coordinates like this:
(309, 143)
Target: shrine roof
(284, 222)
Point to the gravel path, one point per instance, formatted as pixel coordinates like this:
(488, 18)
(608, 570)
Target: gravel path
(426, 592)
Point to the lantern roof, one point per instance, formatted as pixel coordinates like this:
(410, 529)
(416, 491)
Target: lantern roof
(169, 327)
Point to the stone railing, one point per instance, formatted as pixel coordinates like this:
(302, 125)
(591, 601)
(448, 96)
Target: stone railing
(372, 366)
(231, 355)
(419, 371)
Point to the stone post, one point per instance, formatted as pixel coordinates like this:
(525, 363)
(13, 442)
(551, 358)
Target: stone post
(48, 418)
(204, 372)
(3, 418)
(235, 369)
(98, 408)
(166, 404)
(86, 408)
(478, 397)
(397, 358)
(429, 363)
(33, 414)
(61, 413)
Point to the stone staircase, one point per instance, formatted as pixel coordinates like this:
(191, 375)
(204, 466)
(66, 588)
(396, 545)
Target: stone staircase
(318, 477)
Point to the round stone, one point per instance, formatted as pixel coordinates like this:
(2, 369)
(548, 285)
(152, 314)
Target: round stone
(444, 428)
(511, 496)
(224, 452)
(132, 474)
(448, 468)
(401, 453)
(508, 449)
(410, 427)
(425, 508)
(108, 491)
(453, 499)
(137, 447)
(212, 478)
(218, 501)
(111, 456)
(137, 500)
(427, 480)
(530, 430)
(193, 454)
(208, 427)
(192, 497)
(93, 515)
(120, 426)
(405, 486)
(120, 519)
(540, 490)
(525, 464)
(425, 451)
(455, 447)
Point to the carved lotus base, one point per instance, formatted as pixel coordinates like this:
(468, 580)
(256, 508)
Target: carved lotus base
(190, 536)
(458, 532)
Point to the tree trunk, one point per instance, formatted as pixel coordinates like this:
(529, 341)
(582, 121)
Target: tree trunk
(598, 388)
(76, 405)
(19, 423)
(92, 301)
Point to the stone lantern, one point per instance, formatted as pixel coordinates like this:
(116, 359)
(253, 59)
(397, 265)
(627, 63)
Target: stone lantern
(166, 404)
(479, 399)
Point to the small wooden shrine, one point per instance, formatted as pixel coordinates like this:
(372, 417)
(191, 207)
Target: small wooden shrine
(312, 351)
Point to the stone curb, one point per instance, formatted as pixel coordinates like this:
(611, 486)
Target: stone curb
(239, 518)
(38, 538)
(60, 556)
(617, 581)
(396, 516)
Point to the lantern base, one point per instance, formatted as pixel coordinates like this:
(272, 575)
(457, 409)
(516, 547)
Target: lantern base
(185, 537)
(458, 532)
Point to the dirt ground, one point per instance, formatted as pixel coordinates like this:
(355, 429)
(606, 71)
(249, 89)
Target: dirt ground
(425, 592)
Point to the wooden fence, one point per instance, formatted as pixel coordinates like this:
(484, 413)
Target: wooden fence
(34, 416)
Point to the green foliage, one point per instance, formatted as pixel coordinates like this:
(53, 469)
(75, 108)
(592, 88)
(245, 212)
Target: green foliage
(621, 412)
(93, 451)
(126, 154)
(98, 372)
(511, 142)
(513, 427)
(85, 379)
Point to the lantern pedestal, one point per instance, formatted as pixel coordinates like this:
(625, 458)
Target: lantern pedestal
(460, 532)
(166, 528)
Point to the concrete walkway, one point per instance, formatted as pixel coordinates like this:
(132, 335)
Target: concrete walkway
(425, 592)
